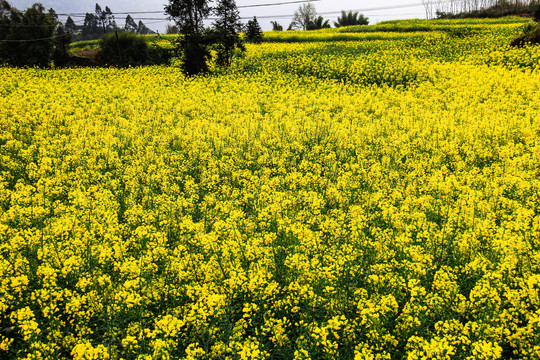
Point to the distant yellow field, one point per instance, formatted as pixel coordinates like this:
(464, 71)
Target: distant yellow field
(368, 199)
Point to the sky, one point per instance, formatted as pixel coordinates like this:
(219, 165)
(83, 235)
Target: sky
(375, 10)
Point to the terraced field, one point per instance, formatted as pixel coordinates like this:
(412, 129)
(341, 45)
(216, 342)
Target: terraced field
(359, 193)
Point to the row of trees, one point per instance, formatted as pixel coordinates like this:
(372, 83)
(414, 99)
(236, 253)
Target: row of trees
(305, 18)
(101, 22)
(477, 8)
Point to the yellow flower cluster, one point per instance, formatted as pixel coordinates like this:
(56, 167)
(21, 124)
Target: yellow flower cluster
(318, 200)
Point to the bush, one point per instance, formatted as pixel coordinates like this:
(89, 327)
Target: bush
(351, 18)
(123, 49)
(530, 35)
(254, 33)
(160, 54)
(26, 38)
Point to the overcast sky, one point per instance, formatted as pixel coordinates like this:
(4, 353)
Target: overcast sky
(375, 10)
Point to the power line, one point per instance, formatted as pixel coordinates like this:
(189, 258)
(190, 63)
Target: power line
(29, 40)
(163, 12)
(276, 4)
(389, 7)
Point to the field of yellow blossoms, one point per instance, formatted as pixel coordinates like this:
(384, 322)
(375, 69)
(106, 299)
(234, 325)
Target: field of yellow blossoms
(369, 197)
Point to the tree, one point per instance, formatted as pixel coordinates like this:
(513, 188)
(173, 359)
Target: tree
(100, 18)
(70, 25)
(351, 18)
(109, 21)
(303, 16)
(143, 29)
(105, 19)
(26, 38)
(318, 23)
(193, 45)
(53, 13)
(254, 32)
(188, 15)
(90, 28)
(227, 27)
(60, 54)
(537, 13)
(276, 26)
(131, 25)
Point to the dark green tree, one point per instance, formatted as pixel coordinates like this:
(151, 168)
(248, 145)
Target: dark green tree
(253, 31)
(193, 45)
(90, 29)
(143, 29)
(188, 15)
(276, 26)
(100, 18)
(351, 18)
(26, 38)
(227, 27)
(52, 12)
(318, 23)
(109, 22)
(60, 53)
(131, 25)
(70, 25)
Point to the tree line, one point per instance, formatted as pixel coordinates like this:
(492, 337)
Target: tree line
(452, 9)
(103, 21)
(305, 18)
(197, 41)
(36, 37)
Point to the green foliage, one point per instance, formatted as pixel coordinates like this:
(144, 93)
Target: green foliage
(29, 38)
(499, 9)
(536, 14)
(160, 52)
(188, 15)
(227, 27)
(351, 18)
(318, 23)
(123, 49)
(303, 16)
(530, 36)
(130, 25)
(60, 54)
(193, 46)
(194, 53)
(276, 26)
(254, 32)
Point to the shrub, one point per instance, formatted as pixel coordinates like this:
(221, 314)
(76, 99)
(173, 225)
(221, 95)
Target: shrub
(254, 32)
(351, 18)
(530, 35)
(160, 53)
(123, 49)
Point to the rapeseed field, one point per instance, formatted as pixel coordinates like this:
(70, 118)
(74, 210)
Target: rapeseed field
(371, 197)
